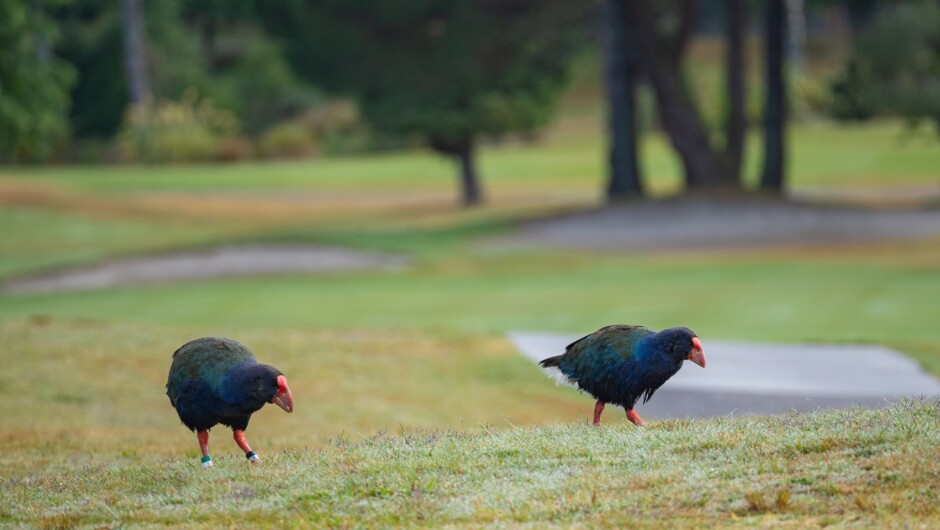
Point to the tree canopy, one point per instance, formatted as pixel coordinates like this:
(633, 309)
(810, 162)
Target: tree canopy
(445, 71)
(34, 83)
(895, 66)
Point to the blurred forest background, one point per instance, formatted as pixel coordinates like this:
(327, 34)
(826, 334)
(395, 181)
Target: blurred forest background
(227, 80)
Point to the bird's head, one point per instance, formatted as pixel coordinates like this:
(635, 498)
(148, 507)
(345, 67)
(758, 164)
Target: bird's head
(683, 344)
(282, 397)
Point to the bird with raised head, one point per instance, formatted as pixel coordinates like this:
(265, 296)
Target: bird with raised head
(620, 364)
(216, 380)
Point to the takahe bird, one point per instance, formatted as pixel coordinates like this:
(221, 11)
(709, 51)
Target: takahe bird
(216, 381)
(619, 364)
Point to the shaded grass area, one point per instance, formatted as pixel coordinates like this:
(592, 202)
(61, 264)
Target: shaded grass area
(857, 467)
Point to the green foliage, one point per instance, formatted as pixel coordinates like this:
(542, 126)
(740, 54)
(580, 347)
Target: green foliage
(248, 74)
(188, 130)
(441, 69)
(92, 43)
(207, 45)
(895, 68)
(33, 84)
(288, 140)
(853, 93)
(338, 127)
(173, 51)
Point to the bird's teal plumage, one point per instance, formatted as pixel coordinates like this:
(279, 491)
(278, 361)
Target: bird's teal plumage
(620, 364)
(217, 380)
(604, 350)
(207, 359)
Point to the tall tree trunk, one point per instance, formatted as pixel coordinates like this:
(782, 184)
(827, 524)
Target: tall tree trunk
(463, 151)
(796, 23)
(620, 76)
(469, 182)
(704, 167)
(736, 124)
(135, 63)
(210, 41)
(688, 17)
(43, 49)
(775, 105)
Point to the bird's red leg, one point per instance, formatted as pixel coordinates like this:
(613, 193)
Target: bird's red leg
(635, 418)
(203, 437)
(598, 409)
(239, 436)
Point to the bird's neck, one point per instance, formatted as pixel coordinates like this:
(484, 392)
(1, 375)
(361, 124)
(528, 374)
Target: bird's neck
(243, 383)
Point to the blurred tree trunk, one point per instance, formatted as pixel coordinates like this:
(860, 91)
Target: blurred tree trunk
(736, 124)
(661, 61)
(775, 104)
(620, 75)
(796, 40)
(135, 56)
(43, 49)
(463, 150)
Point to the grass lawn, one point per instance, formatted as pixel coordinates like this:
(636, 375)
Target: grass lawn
(867, 468)
(475, 434)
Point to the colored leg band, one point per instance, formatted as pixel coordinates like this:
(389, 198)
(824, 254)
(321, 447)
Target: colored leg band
(206, 461)
(250, 454)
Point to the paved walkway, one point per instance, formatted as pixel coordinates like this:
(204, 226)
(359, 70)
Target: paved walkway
(245, 260)
(763, 378)
(702, 223)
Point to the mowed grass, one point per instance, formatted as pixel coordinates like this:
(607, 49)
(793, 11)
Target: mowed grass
(474, 434)
(882, 294)
(84, 392)
(570, 157)
(866, 468)
(56, 216)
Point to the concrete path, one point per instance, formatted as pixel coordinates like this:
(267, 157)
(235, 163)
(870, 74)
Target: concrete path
(247, 260)
(762, 378)
(700, 223)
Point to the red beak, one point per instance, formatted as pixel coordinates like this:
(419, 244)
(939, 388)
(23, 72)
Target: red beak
(283, 398)
(697, 356)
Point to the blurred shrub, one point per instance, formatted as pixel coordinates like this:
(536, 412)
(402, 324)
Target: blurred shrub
(188, 130)
(811, 96)
(90, 151)
(234, 149)
(251, 78)
(91, 41)
(288, 140)
(853, 93)
(338, 127)
(895, 66)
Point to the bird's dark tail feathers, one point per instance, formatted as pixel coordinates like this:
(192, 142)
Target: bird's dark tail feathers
(550, 362)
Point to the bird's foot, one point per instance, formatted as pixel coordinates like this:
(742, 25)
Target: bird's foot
(207, 462)
(252, 457)
(635, 418)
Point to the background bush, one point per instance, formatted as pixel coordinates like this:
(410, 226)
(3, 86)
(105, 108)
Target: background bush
(189, 130)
